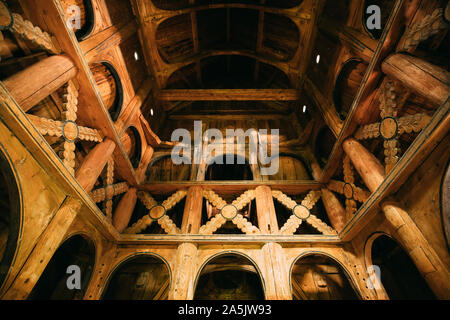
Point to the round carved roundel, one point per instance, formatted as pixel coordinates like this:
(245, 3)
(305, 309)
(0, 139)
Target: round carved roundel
(157, 212)
(389, 128)
(229, 212)
(301, 212)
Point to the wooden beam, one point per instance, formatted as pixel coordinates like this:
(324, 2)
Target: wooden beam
(232, 187)
(93, 164)
(429, 81)
(229, 95)
(152, 138)
(113, 36)
(217, 239)
(237, 117)
(33, 84)
(326, 107)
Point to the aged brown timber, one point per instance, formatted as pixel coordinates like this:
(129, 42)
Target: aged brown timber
(229, 94)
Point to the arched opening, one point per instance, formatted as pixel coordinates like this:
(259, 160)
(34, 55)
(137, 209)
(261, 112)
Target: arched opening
(319, 277)
(164, 169)
(132, 143)
(86, 15)
(110, 87)
(10, 213)
(234, 70)
(77, 251)
(239, 170)
(347, 85)
(143, 277)
(324, 144)
(229, 277)
(399, 275)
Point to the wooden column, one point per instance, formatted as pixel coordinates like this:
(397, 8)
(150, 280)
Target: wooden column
(33, 84)
(185, 266)
(267, 217)
(369, 168)
(335, 211)
(93, 164)
(407, 233)
(42, 253)
(276, 270)
(421, 77)
(427, 261)
(125, 209)
(358, 42)
(192, 215)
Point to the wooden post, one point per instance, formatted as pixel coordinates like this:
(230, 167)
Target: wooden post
(184, 275)
(32, 85)
(192, 215)
(42, 253)
(267, 217)
(369, 168)
(125, 209)
(423, 255)
(93, 164)
(186, 261)
(335, 211)
(360, 43)
(429, 81)
(276, 271)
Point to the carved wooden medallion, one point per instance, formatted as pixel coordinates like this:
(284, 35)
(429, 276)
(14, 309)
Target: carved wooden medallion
(157, 212)
(301, 212)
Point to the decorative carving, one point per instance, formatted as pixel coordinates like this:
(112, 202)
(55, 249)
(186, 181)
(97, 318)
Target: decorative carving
(229, 212)
(348, 188)
(429, 26)
(390, 127)
(67, 129)
(28, 31)
(157, 212)
(301, 212)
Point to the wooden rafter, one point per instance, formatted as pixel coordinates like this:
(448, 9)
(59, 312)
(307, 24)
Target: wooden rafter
(229, 94)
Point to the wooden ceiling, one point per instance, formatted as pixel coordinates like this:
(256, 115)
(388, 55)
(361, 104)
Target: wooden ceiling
(199, 44)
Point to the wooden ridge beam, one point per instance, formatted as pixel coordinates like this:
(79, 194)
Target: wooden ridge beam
(229, 95)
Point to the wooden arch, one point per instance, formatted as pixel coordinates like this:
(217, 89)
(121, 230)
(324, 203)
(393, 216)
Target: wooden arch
(135, 146)
(13, 191)
(46, 287)
(346, 272)
(229, 253)
(129, 258)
